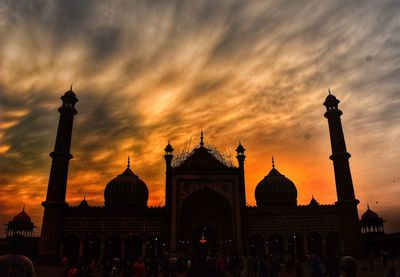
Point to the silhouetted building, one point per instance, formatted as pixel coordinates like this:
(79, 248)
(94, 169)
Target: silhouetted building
(21, 225)
(374, 238)
(205, 208)
(20, 231)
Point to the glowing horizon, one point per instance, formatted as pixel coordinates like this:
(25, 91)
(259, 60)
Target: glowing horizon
(146, 72)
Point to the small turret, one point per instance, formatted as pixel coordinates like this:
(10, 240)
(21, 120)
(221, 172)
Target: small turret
(240, 155)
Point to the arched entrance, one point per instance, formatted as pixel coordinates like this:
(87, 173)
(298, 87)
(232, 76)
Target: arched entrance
(276, 245)
(256, 245)
(314, 243)
(333, 243)
(154, 247)
(91, 247)
(206, 213)
(204, 241)
(71, 248)
(296, 246)
(133, 247)
(113, 247)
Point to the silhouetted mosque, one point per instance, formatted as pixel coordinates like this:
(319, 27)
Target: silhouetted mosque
(205, 208)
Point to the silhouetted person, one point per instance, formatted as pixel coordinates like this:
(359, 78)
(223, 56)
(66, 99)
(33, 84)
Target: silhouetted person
(316, 269)
(139, 269)
(16, 264)
(348, 267)
(371, 261)
(263, 270)
(299, 269)
(332, 265)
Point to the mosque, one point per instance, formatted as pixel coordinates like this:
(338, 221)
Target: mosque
(205, 209)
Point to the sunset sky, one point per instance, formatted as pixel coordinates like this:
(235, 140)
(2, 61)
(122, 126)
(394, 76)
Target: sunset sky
(148, 71)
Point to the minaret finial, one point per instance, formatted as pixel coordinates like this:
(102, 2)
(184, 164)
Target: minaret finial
(273, 162)
(129, 162)
(201, 138)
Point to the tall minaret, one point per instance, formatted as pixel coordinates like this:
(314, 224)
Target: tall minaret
(51, 234)
(340, 156)
(347, 202)
(169, 155)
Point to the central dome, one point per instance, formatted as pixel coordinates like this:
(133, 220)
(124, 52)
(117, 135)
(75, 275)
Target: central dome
(127, 189)
(275, 190)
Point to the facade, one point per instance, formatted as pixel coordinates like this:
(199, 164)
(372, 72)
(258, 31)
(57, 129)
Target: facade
(205, 208)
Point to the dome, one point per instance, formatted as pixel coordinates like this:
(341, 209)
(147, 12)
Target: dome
(240, 148)
(168, 148)
(275, 190)
(84, 203)
(331, 100)
(127, 189)
(370, 216)
(313, 202)
(22, 217)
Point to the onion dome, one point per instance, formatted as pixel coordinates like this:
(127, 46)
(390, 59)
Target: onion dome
(168, 148)
(240, 148)
(127, 189)
(275, 190)
(370, 216)
(22, 217)
(84, 203)
(331, 99)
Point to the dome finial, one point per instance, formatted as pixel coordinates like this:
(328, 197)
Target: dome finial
(273, 162)
(201, 138)
(329, 91)
(71, 86)
(129, 162)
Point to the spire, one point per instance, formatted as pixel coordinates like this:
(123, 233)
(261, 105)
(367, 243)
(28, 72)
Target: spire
(71, 86)
(329, 91)
(201, 138)
(129, 162)
(273, 162)
(23, 208)
(368, 206)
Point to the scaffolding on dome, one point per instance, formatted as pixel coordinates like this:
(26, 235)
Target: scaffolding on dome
(225, 159)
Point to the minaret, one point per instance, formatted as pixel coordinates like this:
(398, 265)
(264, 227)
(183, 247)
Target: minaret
(340, 156)
(347, 202)
(168, 190)
(51, 234)
(240, 156)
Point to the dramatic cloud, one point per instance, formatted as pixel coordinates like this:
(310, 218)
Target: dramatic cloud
(149, 71)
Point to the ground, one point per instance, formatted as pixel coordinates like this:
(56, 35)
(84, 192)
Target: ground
(364, 270)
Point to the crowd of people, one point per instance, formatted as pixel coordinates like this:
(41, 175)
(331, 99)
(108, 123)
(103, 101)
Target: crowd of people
(219, 265)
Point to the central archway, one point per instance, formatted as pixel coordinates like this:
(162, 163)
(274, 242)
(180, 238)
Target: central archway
(205, 215)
